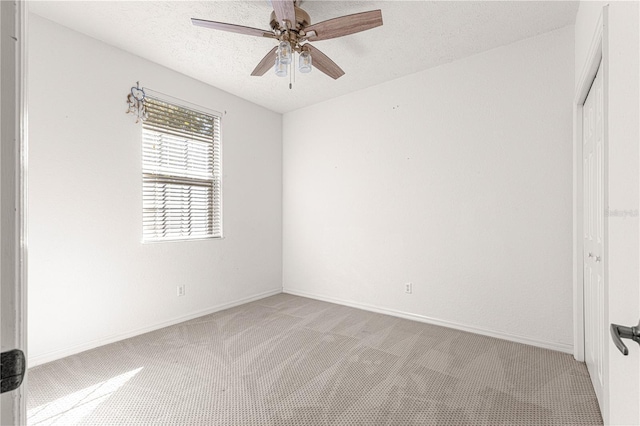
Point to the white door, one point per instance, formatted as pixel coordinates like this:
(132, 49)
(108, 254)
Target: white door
(593, 234)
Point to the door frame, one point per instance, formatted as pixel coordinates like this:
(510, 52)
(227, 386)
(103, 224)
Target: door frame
(13, 303)
(596, 56)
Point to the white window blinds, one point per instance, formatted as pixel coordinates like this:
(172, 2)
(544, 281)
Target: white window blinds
(181, 173)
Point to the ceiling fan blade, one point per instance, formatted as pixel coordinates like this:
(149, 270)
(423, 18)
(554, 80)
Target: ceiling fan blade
(266, 63)
(323, 63)
(344, 25)
(284, 11)
(232, 28)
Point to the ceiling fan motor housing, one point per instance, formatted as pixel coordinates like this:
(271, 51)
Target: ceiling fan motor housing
(302, 20)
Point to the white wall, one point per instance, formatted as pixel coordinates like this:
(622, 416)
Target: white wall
(90, 278)
(457, 179)
(622, 79)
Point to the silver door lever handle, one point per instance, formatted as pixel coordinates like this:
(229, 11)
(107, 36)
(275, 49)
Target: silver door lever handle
(619, 332)
(590, 254)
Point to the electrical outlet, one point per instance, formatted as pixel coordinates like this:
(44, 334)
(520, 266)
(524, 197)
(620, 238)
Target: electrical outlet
(180, 290)
(408, 288)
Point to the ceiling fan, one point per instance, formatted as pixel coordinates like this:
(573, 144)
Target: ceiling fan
(292, 27)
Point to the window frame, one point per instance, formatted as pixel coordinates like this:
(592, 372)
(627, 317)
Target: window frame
(219, 178)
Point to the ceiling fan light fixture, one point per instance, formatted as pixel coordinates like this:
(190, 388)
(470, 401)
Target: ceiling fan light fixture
(280, 68)
(304, 62)
(284, 52)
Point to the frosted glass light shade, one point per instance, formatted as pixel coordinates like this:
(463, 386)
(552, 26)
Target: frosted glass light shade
(304, 62)
(284, 52)
(280, 68)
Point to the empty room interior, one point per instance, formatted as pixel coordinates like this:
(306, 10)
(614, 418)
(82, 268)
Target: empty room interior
(406, 213)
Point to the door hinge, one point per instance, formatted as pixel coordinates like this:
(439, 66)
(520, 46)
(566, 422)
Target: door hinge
(12, 368)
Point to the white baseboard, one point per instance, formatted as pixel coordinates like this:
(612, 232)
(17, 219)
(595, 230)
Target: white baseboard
(61, 353)
(561, 347)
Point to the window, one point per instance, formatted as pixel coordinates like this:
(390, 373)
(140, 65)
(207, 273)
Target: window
(181, 182)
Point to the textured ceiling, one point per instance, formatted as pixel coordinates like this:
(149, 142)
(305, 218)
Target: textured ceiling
(416, 35)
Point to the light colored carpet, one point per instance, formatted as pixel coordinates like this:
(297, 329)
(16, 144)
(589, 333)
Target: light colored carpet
(288, 360)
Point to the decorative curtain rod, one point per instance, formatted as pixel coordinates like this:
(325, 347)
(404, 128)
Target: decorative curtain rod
(135, 100)
(137, 96)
